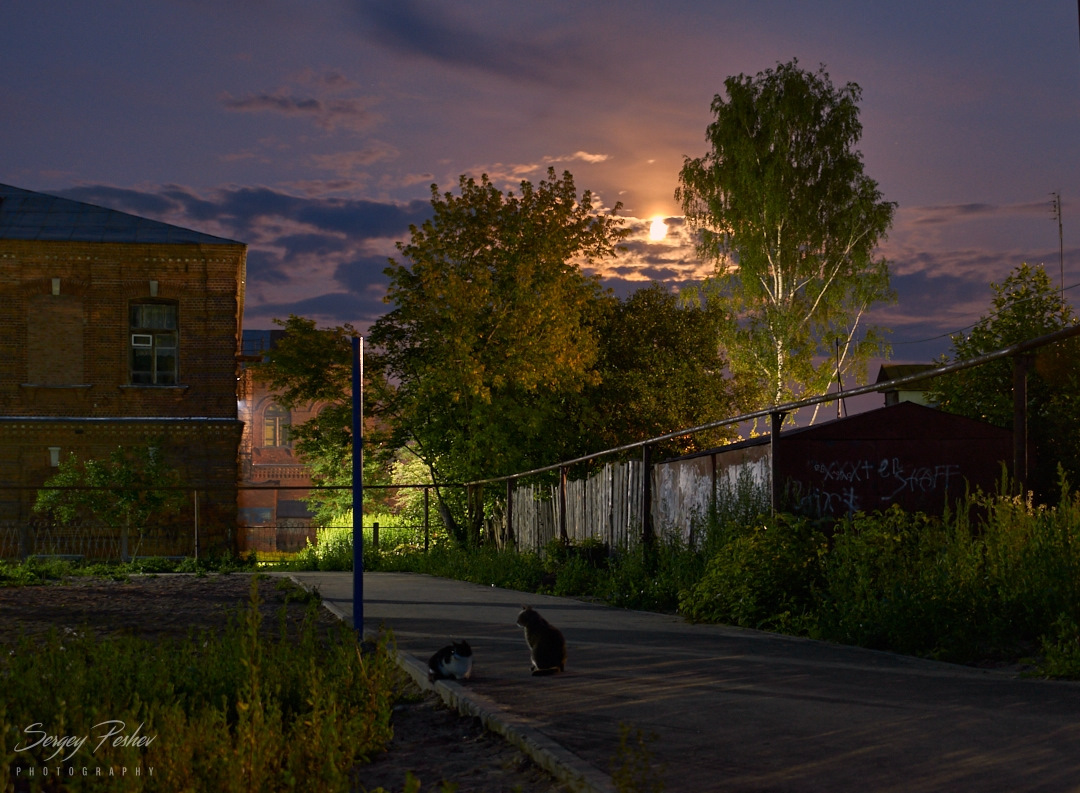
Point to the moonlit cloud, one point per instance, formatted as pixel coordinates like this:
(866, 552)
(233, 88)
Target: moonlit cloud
(579, 156)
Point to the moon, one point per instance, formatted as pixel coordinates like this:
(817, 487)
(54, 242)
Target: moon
(658, 229)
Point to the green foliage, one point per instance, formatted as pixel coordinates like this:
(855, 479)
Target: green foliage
(127, 489)
(492, 333)
(333, 546)
(760, 576)
(45, 570)
(1061, 650)
(1025, 305)
(662, 369)
(791, 221)
(652, 578)
(908, 583)
(312, 364)
(230, 712)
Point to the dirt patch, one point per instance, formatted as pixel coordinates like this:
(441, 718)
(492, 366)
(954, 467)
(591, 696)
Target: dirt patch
(430, 741)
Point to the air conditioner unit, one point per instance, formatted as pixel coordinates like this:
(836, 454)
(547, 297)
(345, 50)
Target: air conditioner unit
(142, 340)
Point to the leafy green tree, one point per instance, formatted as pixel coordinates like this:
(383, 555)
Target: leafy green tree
(493, 333)
(125, 490)
(1025, 305)
(312, 364)
(791, 222)
(662, 370)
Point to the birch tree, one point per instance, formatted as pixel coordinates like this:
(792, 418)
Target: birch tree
(791, 223)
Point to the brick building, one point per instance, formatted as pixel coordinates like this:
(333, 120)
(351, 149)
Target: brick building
(116, 331)
(274, 482)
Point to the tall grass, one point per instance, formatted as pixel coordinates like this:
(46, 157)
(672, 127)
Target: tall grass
(333, 546)
(213, 712)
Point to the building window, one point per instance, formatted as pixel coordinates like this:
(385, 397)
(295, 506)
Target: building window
(153, 334)
(276, 423)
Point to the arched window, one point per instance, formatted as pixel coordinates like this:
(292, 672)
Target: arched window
(276, 423)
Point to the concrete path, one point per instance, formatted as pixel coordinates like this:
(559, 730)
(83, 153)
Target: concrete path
(727, 709)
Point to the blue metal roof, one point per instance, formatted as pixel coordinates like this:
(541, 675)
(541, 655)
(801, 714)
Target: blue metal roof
(26, 215)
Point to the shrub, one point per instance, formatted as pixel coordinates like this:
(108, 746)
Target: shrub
(905, 582)
(761, 577)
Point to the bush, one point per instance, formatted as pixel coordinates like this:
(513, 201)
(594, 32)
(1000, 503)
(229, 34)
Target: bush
(763, 577)
(905, 582)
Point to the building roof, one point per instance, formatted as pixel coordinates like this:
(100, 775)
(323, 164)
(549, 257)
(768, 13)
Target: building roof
(904, 420)
(894, 371)
(26, 215)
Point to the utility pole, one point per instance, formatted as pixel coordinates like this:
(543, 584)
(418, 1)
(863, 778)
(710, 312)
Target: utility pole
(1056, 209)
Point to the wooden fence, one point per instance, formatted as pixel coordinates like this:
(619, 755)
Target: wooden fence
(607, 506)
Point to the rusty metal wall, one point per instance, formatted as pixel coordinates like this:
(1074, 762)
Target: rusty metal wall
(916, 457)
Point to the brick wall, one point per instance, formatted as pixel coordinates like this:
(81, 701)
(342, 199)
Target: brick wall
(65, 364)
(94, 284)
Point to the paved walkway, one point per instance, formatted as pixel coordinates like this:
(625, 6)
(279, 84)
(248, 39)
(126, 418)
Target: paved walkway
(729, 709)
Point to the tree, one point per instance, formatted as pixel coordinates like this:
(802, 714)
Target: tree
(492, 336)
(1025, 305)
(124, 491)
(791, 222)
(311, 364)
(662, 370)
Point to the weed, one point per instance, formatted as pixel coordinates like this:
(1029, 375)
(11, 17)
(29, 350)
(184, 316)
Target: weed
(215, 711)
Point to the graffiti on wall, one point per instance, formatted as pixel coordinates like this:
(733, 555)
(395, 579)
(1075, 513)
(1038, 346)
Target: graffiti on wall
(853, 485)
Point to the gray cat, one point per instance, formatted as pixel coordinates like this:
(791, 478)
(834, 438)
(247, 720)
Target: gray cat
(547, 646)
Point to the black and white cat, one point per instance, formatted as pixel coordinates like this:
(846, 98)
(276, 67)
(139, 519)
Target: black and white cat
(547, 646)
(453, 662)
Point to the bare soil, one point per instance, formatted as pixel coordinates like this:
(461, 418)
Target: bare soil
(430, 741)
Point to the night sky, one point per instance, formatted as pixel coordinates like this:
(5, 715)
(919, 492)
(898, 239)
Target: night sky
(312, 131)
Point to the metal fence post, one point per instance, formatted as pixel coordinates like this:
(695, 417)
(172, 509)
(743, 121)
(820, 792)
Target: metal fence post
(562, 504)
(195, 496)
(509, 534)
(776, 419)
(358, 483)
(427, 516)
(647, 535)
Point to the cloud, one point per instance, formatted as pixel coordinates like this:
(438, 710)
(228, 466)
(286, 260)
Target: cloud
(431, 31)
(331, 308)
(328, 114)
(319, 255)
(361, 274)
(349, 163)
(953, 213)
(578, 156)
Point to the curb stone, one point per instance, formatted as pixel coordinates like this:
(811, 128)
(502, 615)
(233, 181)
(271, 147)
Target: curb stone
(564, 765)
